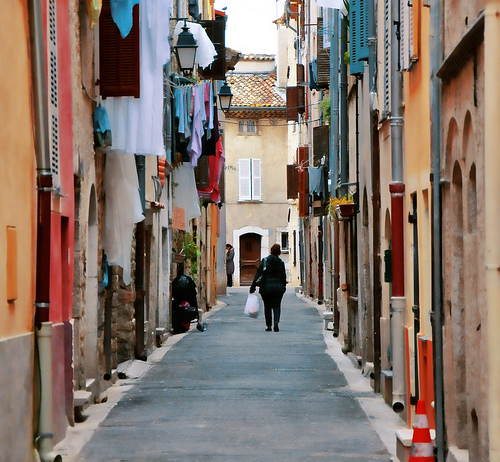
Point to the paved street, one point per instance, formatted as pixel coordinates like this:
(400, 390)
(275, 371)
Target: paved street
(236, 392)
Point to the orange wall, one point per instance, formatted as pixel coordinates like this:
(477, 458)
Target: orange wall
(17, 175)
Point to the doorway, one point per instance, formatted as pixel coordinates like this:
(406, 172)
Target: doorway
(250, 245)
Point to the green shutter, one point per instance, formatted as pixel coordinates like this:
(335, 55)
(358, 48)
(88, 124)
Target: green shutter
(358, 29)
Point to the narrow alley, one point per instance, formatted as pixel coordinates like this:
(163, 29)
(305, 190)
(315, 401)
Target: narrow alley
(236, 392)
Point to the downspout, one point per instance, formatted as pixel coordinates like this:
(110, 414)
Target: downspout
(435, 59)
(344, 137)
(43, 328)
(492, 218)
(334, 158)
(397, 190)
(375, 161)
(140, 247)
(334, 104)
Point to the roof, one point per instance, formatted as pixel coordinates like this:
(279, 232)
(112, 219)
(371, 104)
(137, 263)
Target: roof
(256, 94)
(258, 57)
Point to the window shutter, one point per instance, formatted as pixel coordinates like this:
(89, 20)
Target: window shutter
(321, 143)
(292, 104)
(303, 156)
(323, 58)
(256, 180)
(407, 51)
(202, 173)
(292, 181)
(118, 57)
(300, 74)
(54, 97)
(216, 31)
(245, 192)
(358, 29)
(387, 60)
(301, 100)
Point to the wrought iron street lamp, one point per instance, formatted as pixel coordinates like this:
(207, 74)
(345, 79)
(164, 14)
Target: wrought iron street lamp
(225, 97)
(185, 50)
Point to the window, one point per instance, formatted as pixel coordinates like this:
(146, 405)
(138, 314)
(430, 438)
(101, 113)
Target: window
(284, 241)
(249, 176)
(118, 57)
(248, 127)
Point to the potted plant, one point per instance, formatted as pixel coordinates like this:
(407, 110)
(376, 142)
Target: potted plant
(342, 208)
(189, 251)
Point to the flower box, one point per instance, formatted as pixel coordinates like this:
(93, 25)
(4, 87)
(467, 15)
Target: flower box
(345, 211)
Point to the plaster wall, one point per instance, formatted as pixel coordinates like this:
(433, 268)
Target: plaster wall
(17, 175)
(270, 214)
(466, 378)
(16, 402)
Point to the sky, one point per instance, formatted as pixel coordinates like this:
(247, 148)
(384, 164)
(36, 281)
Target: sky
(250, 27)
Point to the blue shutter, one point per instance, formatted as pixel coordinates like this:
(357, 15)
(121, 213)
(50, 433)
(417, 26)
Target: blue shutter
(358, 30)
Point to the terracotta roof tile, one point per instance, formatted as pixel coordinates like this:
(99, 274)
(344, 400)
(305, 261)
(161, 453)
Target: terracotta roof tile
(254, 91)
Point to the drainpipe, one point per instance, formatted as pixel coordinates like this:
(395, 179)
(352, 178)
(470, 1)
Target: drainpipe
(435, 53)
(334, 161)
(334, 103)
(492, 218)
(140, 248)
(43, 330)
(45, 435)
(375, 162)
(397, 190)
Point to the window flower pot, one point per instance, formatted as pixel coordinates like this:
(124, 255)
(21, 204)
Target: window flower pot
(345, 211)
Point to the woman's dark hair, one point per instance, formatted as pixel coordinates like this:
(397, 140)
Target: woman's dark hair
(276, 250)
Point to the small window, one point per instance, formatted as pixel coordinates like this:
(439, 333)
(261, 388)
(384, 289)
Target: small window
(284, 242)
(248, 127)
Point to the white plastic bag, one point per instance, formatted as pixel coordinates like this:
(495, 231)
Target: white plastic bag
(252, 306)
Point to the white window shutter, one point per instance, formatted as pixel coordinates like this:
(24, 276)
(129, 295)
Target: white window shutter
(245, 192)
(256, 180)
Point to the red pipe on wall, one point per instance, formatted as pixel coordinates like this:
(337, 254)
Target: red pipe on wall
(398, 270)
(42, 302)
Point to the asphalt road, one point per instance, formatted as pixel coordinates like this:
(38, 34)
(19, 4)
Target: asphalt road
(238, 393)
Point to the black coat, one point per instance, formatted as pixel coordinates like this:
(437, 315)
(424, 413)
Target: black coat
(272, 270)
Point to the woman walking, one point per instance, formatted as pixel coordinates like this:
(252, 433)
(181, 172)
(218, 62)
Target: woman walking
(271, 278)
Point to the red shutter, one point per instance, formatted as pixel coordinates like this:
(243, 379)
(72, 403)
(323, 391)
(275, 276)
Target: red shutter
(301, 100)
(300, 73)
(292, 179)
(118, 57)
(292, 104)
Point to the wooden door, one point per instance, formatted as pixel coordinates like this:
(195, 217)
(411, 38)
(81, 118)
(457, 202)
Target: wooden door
(249, 257)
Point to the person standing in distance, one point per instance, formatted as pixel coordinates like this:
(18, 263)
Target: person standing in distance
(229, 264)
(271, 278)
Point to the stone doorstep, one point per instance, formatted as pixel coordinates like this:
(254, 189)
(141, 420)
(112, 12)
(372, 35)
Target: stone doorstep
(328, 318)
(81, 398)
(404, 439)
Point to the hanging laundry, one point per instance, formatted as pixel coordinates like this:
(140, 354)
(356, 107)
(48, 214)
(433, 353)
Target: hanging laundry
(195, 143)
(185, 195)
(205, 53)
(137, 123)
(216, 167)
(121, 12)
